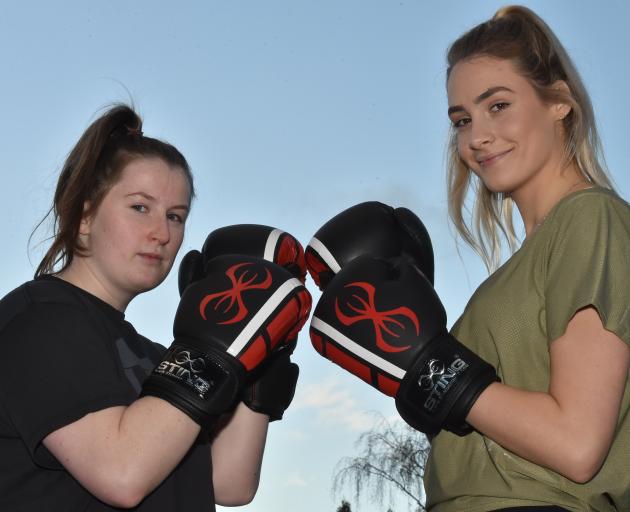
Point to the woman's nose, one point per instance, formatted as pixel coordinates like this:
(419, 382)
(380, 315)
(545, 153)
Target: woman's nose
(160, 230)
(480, 134)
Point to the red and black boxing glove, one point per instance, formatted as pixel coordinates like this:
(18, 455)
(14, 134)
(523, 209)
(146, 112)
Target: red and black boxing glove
(264, 242)
(383, 321)
(271, 387)
(368, 229)
(227, 324)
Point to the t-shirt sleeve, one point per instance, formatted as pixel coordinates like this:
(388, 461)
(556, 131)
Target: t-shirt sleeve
(57, 367)
(588, 264)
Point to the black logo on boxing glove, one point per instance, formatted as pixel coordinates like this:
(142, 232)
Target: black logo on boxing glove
(438, 379)
(183, 367)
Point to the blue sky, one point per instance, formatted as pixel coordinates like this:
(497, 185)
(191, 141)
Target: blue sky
(288, 112)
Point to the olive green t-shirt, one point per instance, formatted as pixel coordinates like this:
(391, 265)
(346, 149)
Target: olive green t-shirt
(579, 256)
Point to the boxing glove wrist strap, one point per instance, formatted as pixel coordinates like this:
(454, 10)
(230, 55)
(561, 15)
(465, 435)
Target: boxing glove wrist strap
(201, 381)
(273, 391)
(442, 385)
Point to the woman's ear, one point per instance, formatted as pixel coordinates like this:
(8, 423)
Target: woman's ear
(561, 109)
(86, 220)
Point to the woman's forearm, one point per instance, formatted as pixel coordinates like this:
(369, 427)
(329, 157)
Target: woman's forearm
(121, 454)
(237, 452)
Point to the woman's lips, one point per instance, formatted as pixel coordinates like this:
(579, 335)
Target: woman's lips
(150, 257)
(487, 161)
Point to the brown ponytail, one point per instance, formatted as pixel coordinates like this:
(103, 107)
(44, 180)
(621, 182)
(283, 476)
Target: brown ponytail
(93, 166)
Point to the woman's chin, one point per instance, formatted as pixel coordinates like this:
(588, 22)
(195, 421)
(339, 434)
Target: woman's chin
(146, 283)
(498, 188)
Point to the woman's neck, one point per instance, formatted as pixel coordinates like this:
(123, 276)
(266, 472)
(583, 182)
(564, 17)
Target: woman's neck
(81, 275)
(535, 200)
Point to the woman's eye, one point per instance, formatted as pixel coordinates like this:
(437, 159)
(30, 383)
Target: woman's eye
(139, 207)
(498, 107)
(460, 123)
(175, 218)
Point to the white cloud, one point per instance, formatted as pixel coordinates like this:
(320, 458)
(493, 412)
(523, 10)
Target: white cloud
(335, 405)
(296, 480)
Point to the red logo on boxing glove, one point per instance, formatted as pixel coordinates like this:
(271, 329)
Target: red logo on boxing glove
(383, 321)
(243, 278)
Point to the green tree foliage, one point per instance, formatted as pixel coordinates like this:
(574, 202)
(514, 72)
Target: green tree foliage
(390, 464)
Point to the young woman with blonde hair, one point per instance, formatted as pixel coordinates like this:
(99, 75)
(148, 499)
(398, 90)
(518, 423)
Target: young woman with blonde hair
(554, 320)
(527, 399)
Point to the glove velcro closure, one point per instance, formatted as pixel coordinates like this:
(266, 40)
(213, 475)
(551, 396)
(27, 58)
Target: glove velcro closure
(442, 385)
(273, 392)
(199, 380)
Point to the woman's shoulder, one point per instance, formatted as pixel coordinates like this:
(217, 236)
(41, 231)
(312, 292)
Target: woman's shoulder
(586, 233)
(43, 290)
(588, 210)
(33, 298)
(591, 200)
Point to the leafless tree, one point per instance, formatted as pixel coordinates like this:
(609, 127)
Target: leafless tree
(344, 507)
(390, 463)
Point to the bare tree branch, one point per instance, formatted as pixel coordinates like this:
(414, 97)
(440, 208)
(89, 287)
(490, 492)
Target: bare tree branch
(391, 461)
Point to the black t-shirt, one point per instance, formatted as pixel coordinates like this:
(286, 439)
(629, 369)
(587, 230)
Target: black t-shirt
(64, 353)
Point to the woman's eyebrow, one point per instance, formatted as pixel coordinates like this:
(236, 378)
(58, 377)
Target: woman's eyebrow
(143, 194)
(480, 98)
(149, 197)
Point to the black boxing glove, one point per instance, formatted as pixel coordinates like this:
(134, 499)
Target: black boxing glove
(273, 391)
(271, 387)
(382, 321)
(371, 229)
(264, 242)
(227, 324)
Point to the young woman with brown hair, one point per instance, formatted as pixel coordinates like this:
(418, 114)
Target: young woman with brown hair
(79, 427)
